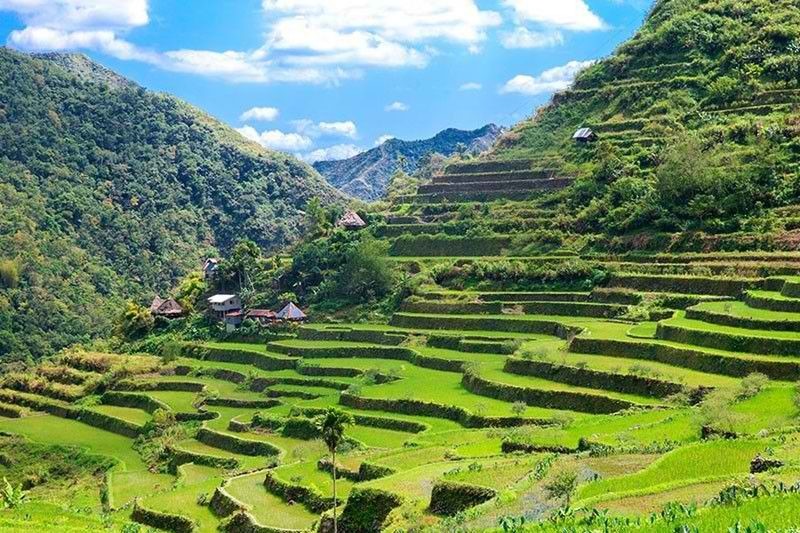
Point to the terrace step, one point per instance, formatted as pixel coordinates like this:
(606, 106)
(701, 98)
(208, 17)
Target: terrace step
(694, 332)
(489, 166)
(772, 301)
(688, 356)
(588, 309)
(493, 186)
(488, 196)
(685, 284)
(509, 296)
(483, 177)
(510, 324)
(735, 314)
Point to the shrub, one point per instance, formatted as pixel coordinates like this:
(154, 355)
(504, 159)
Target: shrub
(367, 509)
(562, 485)
(449, 498)
(752, 385)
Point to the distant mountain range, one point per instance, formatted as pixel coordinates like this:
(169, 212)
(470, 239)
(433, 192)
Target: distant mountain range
(367, 174)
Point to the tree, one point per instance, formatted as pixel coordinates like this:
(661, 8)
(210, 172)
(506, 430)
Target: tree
(317, 218)
(190, 290)
(242, 263)
(135, 320)
(562, 485)
(365, 274)
(9, 274)
(332, 425)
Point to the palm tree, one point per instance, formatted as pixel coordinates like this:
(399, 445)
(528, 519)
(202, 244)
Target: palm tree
(331, 426)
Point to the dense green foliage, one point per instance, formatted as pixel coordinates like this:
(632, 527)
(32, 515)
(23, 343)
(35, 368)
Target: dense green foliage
(110, 191)
(696, 120)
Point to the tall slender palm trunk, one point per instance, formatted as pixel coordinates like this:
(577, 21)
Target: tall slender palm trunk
(335, 524)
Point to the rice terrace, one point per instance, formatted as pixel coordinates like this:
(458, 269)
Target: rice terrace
(587, 322)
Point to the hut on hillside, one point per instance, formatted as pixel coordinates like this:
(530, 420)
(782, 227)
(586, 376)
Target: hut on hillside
(262, 316)
(584, 135)
(351, 221)
(222, 304)
(168, 308)
(210, 268)
(291, 313)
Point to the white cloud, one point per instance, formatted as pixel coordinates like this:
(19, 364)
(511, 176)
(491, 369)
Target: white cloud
(266, 114)
(471, 86)
(459, 21)
(277, 140)
(383, 138)
(70, 15)
(310, 128)
(554, 79)
(306, 41)
(567, 14)
(332, 153)
(310, 44)
(397, 106)
(522, 37)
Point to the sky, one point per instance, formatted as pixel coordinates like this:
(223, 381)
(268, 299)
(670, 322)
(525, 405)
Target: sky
(326, 79)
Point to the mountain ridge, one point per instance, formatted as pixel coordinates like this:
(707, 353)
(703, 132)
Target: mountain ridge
(366, 175)
(111, 191)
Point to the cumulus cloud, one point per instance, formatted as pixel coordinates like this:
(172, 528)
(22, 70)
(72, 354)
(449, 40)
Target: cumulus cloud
(80, 14)
(470, 86)
(277, 139)
(265, 114)
(308, 127)
(460, 21)
(572, 15)
(554, 79)
(383, 138)
(397, 106)
(336, 152)
(522, 37)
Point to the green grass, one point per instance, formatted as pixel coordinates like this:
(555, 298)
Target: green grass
(697, 463)
(137, 416)
(182, 498)
(128, 480)
(308, 475)
(741, 309)
(267, 509)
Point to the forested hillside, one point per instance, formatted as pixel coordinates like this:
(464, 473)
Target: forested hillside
(697, 122)
(367, 174)
(108, 190)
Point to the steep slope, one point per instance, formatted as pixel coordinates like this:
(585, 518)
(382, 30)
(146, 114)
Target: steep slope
(367, 174)
(696, 117)
(109, 190)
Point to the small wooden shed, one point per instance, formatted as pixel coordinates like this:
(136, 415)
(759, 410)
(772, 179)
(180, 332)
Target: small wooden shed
(351, 221)
(584, 135)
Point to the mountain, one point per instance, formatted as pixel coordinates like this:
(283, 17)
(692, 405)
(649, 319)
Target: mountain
(110, 191)
(696, 118)
(367, 174)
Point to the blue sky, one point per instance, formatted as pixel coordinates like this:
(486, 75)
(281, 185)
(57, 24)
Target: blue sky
(327, 78)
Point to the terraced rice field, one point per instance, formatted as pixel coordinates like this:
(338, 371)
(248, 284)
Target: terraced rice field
(488, 390)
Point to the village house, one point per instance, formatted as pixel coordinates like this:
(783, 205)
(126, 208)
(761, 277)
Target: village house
(351, 221)
(221, 305)
(210, 268)
(168, 308)
(262, 316)
(584, 135)
(291, 313)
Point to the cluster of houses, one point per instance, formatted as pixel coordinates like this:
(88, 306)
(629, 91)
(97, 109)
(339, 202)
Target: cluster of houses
(228, 309)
